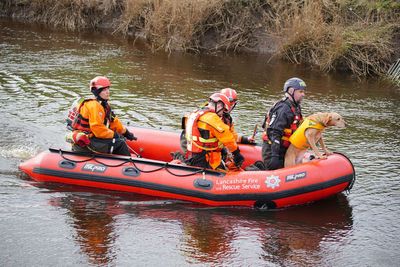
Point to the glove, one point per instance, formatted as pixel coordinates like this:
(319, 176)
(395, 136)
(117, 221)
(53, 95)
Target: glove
(274, 163)
(247, 140)
(80, 139)
(128, 135)
(237, 157)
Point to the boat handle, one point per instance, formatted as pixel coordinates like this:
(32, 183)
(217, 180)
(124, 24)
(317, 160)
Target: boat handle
(66, 164)
(130, 171)
(203, 183)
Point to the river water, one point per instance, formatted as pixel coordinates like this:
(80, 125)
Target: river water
(42, 71)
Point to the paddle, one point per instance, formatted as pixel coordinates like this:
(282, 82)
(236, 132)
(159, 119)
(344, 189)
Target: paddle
(254, 131)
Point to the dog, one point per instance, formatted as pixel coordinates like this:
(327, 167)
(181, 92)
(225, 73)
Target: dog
(309, 134)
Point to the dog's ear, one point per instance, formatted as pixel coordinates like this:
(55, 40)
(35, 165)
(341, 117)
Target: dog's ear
(325, 119)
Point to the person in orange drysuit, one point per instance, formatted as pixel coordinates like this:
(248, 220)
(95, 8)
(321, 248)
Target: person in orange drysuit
(226, 118)
(94, 126)
(206, 134)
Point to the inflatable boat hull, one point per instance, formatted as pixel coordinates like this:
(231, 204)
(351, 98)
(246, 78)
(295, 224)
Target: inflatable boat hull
(154, 175)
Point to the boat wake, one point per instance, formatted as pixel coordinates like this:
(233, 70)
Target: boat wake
(20, 152)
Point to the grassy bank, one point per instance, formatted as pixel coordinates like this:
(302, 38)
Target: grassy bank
(361, 36)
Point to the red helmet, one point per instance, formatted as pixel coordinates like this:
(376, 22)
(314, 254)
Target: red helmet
(218, 97)
(232, 96)
(230, 93)
(99, 82)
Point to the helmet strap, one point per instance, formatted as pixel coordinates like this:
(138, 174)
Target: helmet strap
(233, 106)
(292, 96)
(99, 98)
(218, 111)
(96, 91)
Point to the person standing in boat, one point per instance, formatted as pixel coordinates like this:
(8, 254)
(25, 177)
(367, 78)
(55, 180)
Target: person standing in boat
(206, 134)
(94, 126)
(279, 124)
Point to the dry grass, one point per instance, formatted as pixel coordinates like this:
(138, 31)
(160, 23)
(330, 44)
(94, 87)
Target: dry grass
(132, 16)
(355, 35)
(175, 25)
(67, 14)
(333, 36)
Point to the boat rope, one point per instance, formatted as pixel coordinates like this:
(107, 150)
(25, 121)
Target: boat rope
(109, 165)
(165, 166)
(93, 157)
(183, 175)
(130, 160)
(76, 161)
(137, 168)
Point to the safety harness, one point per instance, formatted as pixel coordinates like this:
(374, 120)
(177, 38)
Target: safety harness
(79, 125)
(75, 121)
(287, 132)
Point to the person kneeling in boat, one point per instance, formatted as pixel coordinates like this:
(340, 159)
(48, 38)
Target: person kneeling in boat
(226, 118)
(206, 135)
(94, 126)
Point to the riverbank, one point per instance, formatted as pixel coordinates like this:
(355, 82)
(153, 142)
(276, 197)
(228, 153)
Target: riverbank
(361, 36)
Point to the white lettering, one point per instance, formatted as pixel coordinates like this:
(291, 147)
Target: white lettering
(94, 168)
(250, 186)
(237, 184)
(230, 187)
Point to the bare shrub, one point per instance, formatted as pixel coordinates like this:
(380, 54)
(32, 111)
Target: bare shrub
(234, 25)
(356, 35)
(330, 36)
(172, 24)
(368, 50)
(133, 14)
(68, 14)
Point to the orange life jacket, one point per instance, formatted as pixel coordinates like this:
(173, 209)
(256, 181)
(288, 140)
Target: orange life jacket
(195, 142)
(75, 120)
(287, 132)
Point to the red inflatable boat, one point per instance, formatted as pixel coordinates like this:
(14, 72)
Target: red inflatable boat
(154, 174)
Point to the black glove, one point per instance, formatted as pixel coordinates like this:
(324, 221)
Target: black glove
(247, 140)
(237, 158)
(274, 163)
(128, 135)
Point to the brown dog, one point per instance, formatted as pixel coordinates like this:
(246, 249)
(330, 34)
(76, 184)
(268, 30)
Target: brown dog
(309, 134)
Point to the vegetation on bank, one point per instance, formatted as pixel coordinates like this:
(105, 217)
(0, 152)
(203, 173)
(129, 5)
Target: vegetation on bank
(361, 36)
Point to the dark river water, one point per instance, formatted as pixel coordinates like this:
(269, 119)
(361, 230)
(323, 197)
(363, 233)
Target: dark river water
(43, 71)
